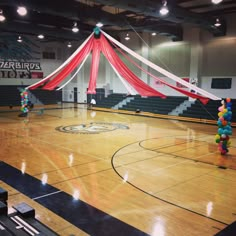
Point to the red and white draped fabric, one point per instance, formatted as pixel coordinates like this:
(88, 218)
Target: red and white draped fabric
(130, 89)
(50, 76)
(94, 66)
(72, 77)
(100, 45)
(203, 99)
(161, 70)
(142, 88)
(52, 84)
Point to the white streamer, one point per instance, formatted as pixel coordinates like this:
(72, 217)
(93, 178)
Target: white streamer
(63, 64)
(74, 73)
(130, 89)
(161, 70)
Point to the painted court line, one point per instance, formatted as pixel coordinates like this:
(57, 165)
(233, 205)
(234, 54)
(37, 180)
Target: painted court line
(82, 215)
(46, 195)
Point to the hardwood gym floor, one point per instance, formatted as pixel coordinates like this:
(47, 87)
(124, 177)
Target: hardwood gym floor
(90, 172)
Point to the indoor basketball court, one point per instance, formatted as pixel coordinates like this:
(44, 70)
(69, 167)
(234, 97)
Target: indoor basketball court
(94, 172)
(117, 118)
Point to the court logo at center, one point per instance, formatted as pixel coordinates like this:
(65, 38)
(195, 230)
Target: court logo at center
(92, 128)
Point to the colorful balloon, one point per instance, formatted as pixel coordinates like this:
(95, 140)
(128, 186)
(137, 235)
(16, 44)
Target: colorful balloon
(224, 126)
(24, 101)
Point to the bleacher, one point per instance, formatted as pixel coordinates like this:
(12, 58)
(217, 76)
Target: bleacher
(9, 95)
(154, 104)
(208, 111)
(146, 104)
(161, 106)
(111, 100)
(47, 97)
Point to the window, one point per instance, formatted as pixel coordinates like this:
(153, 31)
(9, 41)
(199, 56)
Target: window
(49, 55)
(221, 83)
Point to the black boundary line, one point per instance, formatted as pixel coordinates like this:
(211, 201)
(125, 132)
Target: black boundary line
(82, 225)
(81, 176)
(64, 168)
(161, 199)
(216, 228)
(154, 117)
(37, 109)
(171, 153)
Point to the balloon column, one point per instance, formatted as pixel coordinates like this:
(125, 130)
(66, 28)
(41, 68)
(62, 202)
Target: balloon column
(24, 101)
(224, 126)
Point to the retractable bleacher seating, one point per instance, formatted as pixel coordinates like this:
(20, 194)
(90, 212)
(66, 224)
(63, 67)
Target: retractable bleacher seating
(111, 100)
(154, 104)
(208, 111)
(9, 95)
(47, 97)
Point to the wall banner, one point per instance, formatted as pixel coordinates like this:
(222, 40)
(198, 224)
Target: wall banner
(15, 65)
(22, 70)
(10, 74)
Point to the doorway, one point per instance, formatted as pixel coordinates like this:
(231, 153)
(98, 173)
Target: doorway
(75, 95)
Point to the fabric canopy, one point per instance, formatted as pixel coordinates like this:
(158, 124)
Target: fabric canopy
(204, 100)
(141, 87)
(70, 66)
(100, 44)
(47, 78)
(161, 70)
(94, 67)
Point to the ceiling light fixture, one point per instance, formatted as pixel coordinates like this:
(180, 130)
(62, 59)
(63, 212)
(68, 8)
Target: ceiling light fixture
(41, 36)
(2, 17)
(127, 37)
(69, 45)
(154, 33)
(22, 11)
(216, 1)
(217, 23)
(164, 9)
(99, 24)
(75, 29)
(19, 39)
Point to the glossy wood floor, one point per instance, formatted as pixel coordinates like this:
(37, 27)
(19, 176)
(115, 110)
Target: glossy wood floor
(163, 177)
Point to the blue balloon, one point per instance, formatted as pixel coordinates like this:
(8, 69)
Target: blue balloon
(225, 132)
(220, 131)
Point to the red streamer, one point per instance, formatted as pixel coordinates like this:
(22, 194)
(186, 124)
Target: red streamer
(101, 44)
(142, 88)
(94, 67)
(70, 66)
(203, 99)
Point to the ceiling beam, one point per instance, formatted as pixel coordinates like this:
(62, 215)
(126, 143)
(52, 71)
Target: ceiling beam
(82, 13)
(29, 29)
(176, 14)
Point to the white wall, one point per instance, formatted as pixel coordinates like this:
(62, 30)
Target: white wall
(47, 65)
(223, 93)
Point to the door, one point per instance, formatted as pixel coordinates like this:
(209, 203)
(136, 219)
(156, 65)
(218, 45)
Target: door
(75, 95)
